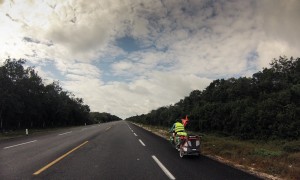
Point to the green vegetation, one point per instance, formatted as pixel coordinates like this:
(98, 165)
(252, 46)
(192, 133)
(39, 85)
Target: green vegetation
(21, 132)
(292, 147)
(266, 106)
(270, 157)
(250, 122)
(262, 156)
(97, 117)
(26, 102)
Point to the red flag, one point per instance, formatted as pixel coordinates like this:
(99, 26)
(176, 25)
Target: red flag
(185, 121)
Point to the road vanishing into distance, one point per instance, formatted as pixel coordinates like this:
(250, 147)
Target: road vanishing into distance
(115, 150)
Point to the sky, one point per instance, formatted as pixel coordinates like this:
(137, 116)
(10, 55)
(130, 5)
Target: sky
(128, 57)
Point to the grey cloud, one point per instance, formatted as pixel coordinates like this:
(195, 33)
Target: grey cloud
(85, 33)
(15, 20)
(33, 55)
(281, 20)
(32, 40)
(28, 39)
(98, 24)
(52, 6)
(188, 42)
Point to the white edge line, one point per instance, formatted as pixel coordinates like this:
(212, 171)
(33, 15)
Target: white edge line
(142, 142)
(65, 133)
(135, 134)
(165, 170)
(19, 144)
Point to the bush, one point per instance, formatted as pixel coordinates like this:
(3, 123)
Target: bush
(265, 152)
(292, 147)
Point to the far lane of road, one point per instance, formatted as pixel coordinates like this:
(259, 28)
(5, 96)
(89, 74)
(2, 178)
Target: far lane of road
(20, 162)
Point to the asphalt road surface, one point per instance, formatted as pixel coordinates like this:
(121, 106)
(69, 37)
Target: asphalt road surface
(115, 150)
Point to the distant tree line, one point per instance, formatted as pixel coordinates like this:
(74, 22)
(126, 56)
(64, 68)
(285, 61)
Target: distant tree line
(266, 106)
(26, 102)
(97, 117)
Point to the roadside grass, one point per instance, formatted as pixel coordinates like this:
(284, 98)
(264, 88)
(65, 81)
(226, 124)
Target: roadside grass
(20, 133)
(12, 134)
(267, 157)
(274, 159)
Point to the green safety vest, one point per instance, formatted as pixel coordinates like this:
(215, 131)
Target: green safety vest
(179, 127)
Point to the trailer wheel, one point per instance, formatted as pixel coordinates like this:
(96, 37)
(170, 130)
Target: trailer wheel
(181, 153)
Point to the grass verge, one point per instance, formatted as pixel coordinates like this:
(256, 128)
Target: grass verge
(276, 159)
(21, 133)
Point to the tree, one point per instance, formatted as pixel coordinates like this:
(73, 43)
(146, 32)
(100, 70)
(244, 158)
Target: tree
(26, 102)
(97, 117)
(262, 107)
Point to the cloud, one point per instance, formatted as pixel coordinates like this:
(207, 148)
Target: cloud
(83, 69)
(280, 30)
(280, 20)
(122, 67)
(32, 40)
(142, 95)
(128, 57)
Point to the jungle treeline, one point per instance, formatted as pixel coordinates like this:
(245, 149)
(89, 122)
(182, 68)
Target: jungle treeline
(264, 106)
(97, 117)
(27, 102)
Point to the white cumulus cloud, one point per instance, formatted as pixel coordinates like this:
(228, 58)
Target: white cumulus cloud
(179, 45)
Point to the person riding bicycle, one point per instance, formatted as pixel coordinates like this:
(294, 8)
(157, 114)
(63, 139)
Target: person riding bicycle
(178, 130)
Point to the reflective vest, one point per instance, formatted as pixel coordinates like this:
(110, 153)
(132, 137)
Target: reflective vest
(179, 127)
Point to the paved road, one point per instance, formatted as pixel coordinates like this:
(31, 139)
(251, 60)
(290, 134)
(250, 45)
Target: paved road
(116, 150)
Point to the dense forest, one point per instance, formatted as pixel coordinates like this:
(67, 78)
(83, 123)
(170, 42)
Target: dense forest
(27, 102)
(265, 106)
(97, 117)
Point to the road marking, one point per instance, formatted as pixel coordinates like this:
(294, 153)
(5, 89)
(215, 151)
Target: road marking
(65, 133)
(135, 134)
(58, 159)
(142, 142)
(165, 170)
(107, 128)
(83, 129)
(19, 144)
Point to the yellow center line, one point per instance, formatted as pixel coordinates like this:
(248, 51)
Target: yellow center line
(58, 159)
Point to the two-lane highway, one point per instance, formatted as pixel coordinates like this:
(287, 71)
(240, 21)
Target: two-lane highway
(116, 150)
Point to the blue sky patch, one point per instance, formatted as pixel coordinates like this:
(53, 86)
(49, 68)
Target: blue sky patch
(128, 44)
(104, 64)
(251, 58)
(50, 67)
